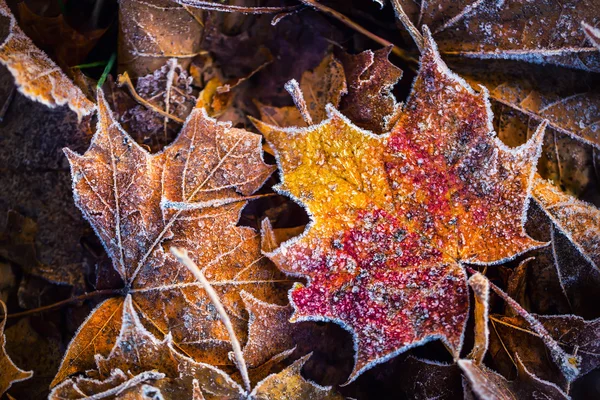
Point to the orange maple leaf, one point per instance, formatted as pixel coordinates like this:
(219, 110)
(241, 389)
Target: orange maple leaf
(395, 216)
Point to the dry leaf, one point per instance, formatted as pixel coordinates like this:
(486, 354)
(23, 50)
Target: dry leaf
(428, 380)
(36, 76)
(324, 85)
(486, 384)
(538, 32)
(393, 216)
(9, 372)
(371, 77)
(69, 46)
(189, 195)
(152, 31)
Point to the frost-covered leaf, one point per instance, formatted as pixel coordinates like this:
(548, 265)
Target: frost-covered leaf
(9, 372)
(190, 195)
(481, 290)
(573, 334)
(568, 107)
(371, 77)
(577, 220)
(321, 86)
(547, 31)
(489, 385)
(137, 357)
(36, 76)
(428, 380)
(152, 31)
(290, 385)
(394, 216)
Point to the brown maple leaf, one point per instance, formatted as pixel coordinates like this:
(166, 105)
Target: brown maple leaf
(140, 363)
(36, 76)
(395, 216)
(190, 195)
(9, 372)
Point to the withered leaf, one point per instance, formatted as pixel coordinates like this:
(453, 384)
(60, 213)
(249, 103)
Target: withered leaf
(424, 379)
(190, 195)
(577, 220)
(324, 85)
(487, 384)
(138, 361)
(371, 77)
(152, 31)
(69, 46)
(394, 216)
(573, 333)
(9, 372)
(537, 32)
(36, 76)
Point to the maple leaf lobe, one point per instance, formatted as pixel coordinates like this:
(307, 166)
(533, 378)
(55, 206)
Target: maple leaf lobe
(394, 216)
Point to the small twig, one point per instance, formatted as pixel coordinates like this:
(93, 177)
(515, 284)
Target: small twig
(408, 25)
(348, 22)
(294, 90)
(50, 307)
(212, 6)
(125, 80)
(567, 363)
(183, 258)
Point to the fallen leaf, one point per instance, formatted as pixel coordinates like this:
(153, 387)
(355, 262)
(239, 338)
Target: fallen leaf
(548, 32)
(486, 384)
(153, 31)
(136, 355)
(425, 379)
(371, 77)
(68, 46)
(577, 220)
(393, 215)
(36, 76)
(319, 87)
(17, 245)
(9, 372)
(154, 366)
(573, 333)
(191, 195)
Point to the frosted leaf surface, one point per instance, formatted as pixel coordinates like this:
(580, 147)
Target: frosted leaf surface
(394, 216)
(534, 31)
(36, 75)
(190, 196)
(9, 372)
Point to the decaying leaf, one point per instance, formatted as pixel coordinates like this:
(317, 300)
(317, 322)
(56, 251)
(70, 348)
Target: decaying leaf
(424, 379)
(371, 77)
(36, 76)
(394, 216)
(486, 384)
(189, 195)
(324, 85)
(69, 46)
(573, 333)
(140, 362)
(9, 372)
(540, 32)
(152, 31)
(137, 357)
(577, 220)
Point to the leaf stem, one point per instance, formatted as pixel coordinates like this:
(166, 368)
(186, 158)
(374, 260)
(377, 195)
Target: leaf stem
(85, 296)
(408, 25)
(183, 258)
